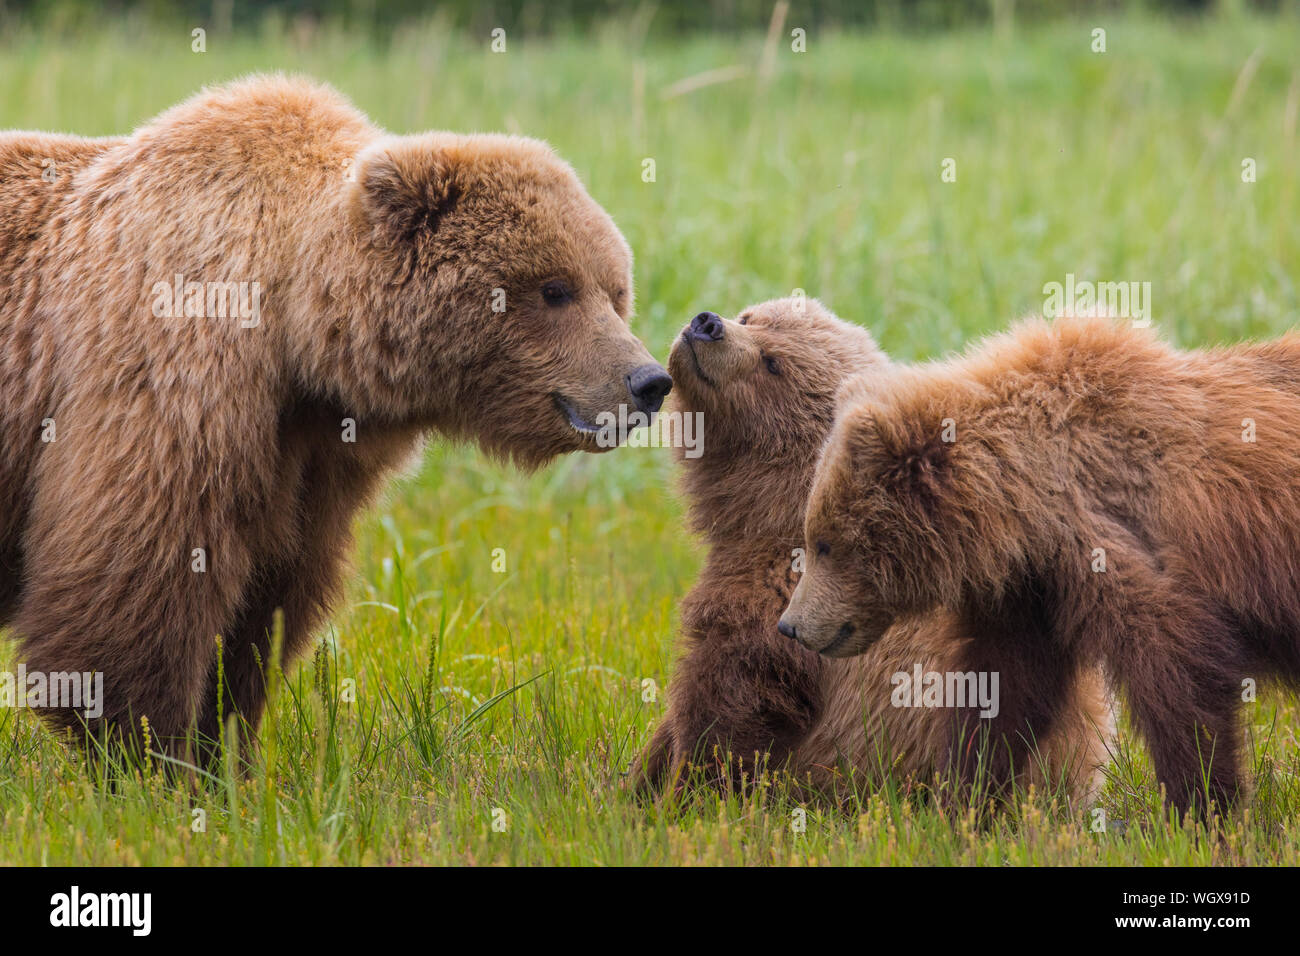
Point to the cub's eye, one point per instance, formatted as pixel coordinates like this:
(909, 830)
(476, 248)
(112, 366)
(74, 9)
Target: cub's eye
(744, 319)
(823, 549)
(556, 293)
(772, 365)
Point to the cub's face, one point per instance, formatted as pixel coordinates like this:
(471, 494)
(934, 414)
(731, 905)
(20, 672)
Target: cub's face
(766, 380)
(875, 550)
(838, 608)
(517, 286)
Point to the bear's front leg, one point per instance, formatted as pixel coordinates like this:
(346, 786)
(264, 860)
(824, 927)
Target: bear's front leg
(302, 588)
(1179, 663)
(322, 482)
(1174, 661)
(747, 693)
(135, 595)
(245, 654)
(995, 743)
(136, 549)
(651, 769)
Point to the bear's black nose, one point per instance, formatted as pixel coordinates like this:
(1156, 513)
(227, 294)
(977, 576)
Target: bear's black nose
(648, 385)
(785, 629)
(708, 325)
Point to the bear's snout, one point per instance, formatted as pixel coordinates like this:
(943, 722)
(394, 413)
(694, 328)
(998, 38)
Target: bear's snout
(707, 327)
(648, 385)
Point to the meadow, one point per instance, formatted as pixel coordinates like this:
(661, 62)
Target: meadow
(457, 713)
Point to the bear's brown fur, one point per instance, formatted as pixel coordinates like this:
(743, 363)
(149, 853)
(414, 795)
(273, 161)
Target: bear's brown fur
(767, 386)
(465, 285)
(1078, 442)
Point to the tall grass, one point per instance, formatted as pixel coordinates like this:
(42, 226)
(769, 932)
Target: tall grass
(456, 714)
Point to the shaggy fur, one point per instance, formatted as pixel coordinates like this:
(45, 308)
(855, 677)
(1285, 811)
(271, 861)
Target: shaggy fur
(1073, 436)
(380, 258)
(741, 687)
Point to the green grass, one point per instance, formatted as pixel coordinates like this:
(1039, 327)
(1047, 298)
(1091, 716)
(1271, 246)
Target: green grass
(823, 176)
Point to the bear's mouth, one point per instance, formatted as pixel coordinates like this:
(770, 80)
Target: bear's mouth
(695, 360)
(841, 637)
(575, 420)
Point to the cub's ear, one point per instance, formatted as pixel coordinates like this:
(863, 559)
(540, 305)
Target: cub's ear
(892, 452)
(405, 185)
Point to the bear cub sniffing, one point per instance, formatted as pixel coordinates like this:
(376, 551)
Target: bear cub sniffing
(766, 384)
(1105, 499)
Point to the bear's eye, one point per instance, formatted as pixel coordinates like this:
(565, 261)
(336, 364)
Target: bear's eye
(772, 365)
(556, 293)
(744, 319)
(823, 549)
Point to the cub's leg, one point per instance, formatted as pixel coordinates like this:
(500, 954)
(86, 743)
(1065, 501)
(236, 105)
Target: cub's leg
(746, 692)
(995, 749)
(1183, 703)
(1178, 662)
(1078, 751)
(650, 772)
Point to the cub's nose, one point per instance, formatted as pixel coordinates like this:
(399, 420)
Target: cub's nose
(648, 385)
(708, 326)
(786, 630)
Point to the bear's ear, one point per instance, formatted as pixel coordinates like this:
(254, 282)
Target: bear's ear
(885, 450)
(405, 185)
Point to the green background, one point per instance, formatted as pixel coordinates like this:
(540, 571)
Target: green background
(816, 170)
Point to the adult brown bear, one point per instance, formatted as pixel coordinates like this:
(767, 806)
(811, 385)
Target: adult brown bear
(218, 334)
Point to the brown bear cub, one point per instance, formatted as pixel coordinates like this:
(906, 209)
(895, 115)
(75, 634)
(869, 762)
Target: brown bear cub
(766, 385)
(217, 335)
(1080, 493)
